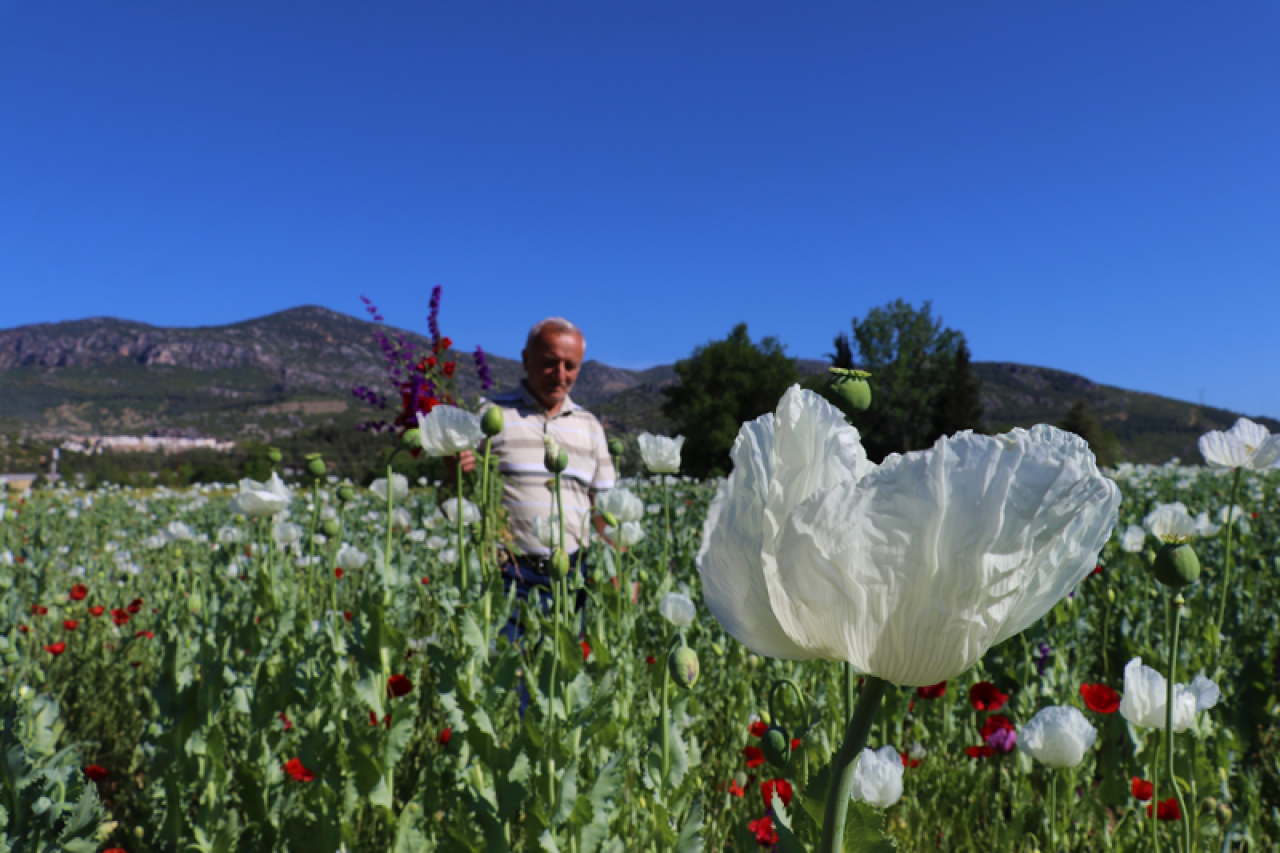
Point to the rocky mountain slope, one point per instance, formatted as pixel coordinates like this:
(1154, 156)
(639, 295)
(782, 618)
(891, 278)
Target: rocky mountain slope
(274, 376)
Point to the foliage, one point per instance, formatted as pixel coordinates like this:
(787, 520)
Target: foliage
(1081, 420)
(723, 384)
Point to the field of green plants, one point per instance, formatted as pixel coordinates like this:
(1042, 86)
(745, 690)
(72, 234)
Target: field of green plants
(320, 667)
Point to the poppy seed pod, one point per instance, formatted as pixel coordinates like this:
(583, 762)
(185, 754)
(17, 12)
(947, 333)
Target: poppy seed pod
(315, 464)
(346, 493)
(331, 528)
(683, 666)
(1176, 565)
(850, 387)
(615, 447)
(559, 565)
(491, 421)
(556, 459)
(776, 746)
(610, 519)
(412, 438)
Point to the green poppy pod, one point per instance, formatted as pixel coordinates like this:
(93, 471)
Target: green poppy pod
(556, 461)
(346, 493)
(559, 565)
(491, 421)
(274, 455)
(1176, 565)
(850, 389)
(683, 666)
(331, 528)
(609, 519)
(615, 447)
(315, 464)
(776, 746)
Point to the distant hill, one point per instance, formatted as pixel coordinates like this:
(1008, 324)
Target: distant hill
(274, 376)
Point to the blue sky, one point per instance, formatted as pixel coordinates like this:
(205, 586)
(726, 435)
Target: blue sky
(1088, 186)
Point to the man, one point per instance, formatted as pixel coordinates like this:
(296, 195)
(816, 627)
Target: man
(541, 406)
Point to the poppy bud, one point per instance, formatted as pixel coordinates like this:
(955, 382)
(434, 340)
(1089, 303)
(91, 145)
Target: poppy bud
(776, 746)
(274, 455)
(683, 666)
(315, 464)
(559, 565)
(412, 438)
(610, 519)
(1207, 805)
(1111, 596)
(331, 528)
(1176, 565)
(491, 421)
(1222, 814)
(556, 458)
(346, 493)
(615, 447)
(718, 649)
(850, 388)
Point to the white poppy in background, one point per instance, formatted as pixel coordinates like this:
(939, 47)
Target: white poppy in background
(1235, 513)
(1245, 445)
(1204, 527)
(401, 518)
(1133, 539)
(661, 454)
(448, 430)
(155, 542)
(678, 609)
(399, 487)
(877, 777)
(178, 532)
(229, 535)
(416, 535)
(470, 512)
(435, 543)
(1057, 736)
(630, 533)
(261, 500)
(285, 533)
(546, 529)
(350, 557)
(1170, 523)
(449, 556)
(621, 504)
(1143, 703)
(909, 571)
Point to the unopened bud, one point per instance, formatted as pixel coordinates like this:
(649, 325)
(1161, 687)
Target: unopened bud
(615, 447)
(491, 421)
(683, 666)
(776, 746)
(315, 464)
(1111, 596)
(331, 528)
(274, 455)
(609, 519)
(850, 388)
(1222, 814)
(346, 493)
(1176, 565)
(412, 438)
(1208, 804)
(559, 565)
(556, 458)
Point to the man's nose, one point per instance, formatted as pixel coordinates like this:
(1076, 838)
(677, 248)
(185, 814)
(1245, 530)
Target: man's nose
(562, 375)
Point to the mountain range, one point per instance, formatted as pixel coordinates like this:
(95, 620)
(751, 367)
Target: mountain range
(278, 375)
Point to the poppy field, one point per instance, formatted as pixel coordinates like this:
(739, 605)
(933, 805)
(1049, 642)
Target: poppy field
(314, 665)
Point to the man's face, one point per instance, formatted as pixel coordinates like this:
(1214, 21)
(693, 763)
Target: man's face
(551, 365)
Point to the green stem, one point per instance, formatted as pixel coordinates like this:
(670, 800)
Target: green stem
(486, 550)
(462, 556)
(1168, 728)
(666, 726)
(1053, 812)
(855, 737)
(386, 554)
(666, 543)
(1226, 575)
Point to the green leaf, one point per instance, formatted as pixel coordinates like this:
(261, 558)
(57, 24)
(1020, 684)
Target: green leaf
(690, 838)
(864, 831)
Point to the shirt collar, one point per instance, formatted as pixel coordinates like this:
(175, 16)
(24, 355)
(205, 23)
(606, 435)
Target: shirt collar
(532, 402)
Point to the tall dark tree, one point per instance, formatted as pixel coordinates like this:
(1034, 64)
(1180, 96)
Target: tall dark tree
(722, 385)
(843, 356)
(1081, 420)
(959, 406)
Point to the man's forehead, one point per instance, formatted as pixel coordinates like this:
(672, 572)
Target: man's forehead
(559, 342)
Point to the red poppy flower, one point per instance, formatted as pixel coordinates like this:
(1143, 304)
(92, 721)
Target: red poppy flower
(115, 850)
(426, 581)
(1100, 698)
(1097, 570)
(1166, 809)
(119, 616)
(22, 629)
(398, 685)
(284, 718)
(984, 696)
(983, 751)
(780, 786)
(78, 592)
(1142, 789)
(753, 755)
(70, 624)
(933, 691)
(373, 718)
(337, 573)
(135, 605)
(995, 723)
(586, 649)
(95, 773)
(97, 610)
(908, 761)
(297, 772)
(795, 743)
(150, 635)
(763, 829)
(735, 789)
(38, 610)
(443, 737)
(758, 728)
(651, 660)
(56, 649)
(346, 614)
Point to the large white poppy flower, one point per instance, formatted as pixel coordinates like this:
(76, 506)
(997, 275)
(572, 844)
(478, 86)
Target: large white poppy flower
(678, 609)
(470, 512)
(877, 777)
(1057, 736)
(621, 504)
(1171, 522)
(631, 533)
(399, 487)
(350, 557)
(261, 500)
(661, 454)
(1245, 445)
(909, 571)
(447, 430)
(1145, 692)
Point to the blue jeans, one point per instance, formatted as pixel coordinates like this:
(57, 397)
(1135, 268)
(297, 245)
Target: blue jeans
(530, 579)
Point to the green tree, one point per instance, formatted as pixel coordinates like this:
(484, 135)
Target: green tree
(1081, 420)
(722, 385)
(959, 406)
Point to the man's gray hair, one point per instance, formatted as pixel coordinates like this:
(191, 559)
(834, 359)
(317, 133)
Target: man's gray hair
(558, 324)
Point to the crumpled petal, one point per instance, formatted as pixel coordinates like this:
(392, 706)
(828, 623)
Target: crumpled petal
(1170, 522)
(1133, 539)
(447, 430)
(1245, 445)
(912, 572)
(1145, 694)
(877, 777)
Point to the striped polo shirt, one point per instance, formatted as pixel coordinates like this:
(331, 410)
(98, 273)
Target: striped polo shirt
(520, 452)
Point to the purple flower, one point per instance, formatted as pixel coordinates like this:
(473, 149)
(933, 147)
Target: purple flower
(482, 369)
(1003, 740)
(1042, 655)
(433, 319)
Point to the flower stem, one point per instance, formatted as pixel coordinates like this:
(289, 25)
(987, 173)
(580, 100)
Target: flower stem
(855, 737)
(462, 556)
(666, 543)
(1053, 812)
(1168, 727)
(1226, 575)
(386, 554)
(666, 727)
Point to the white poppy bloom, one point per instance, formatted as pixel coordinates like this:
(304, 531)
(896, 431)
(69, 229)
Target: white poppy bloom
(678, 609)
(1245, 445)
(286, 533)
(1235, 513)
(155, 542)
(1204, 527)
(178, 532)
(448, 430)
(470, 512)
(631, 533)
(622, 504)
(435, 543)
(1170, 522)
(1057, 736)
(449, 556)
(546, 529)
(229, 535)
(351, 557)
(877, 777)
(401, 518)
(1133, 539)
(909, 571)
(1143, 703)
(416, 535)
(262, 500)
(661, 454)
(917, 751)
(399, 487)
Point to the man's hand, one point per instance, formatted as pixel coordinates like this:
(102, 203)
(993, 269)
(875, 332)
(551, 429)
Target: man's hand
(451, 467)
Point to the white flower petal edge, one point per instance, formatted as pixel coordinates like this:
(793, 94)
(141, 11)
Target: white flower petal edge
(912, 572)
(661, 454)
(771, 458)
(1245, 445)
